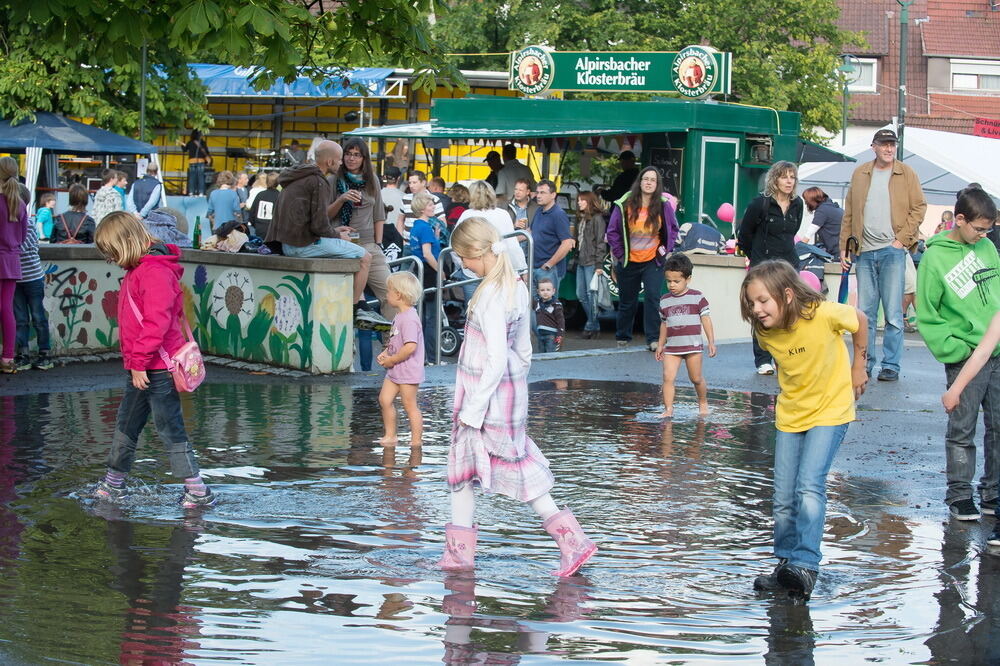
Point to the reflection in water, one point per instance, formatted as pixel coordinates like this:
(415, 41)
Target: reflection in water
(324, 538)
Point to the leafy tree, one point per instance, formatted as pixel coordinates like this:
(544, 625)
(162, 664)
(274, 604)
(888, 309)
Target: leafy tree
(82, 57)
(785, 52)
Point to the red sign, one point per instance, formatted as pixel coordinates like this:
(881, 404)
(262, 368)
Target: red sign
(986, 127)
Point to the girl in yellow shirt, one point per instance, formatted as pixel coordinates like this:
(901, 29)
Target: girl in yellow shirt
(819, 384)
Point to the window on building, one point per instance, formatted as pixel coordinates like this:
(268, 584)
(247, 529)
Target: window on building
(865, 77)
(975, 75)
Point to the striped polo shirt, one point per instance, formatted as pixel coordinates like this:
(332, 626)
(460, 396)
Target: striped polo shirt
(31, 263)
(682, 315)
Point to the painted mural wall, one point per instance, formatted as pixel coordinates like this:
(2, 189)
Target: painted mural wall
(261, 310)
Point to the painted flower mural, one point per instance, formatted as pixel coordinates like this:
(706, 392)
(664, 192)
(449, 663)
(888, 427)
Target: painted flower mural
(233, 296)
(287, 315)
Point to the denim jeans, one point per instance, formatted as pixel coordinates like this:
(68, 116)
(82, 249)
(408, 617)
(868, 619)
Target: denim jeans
(29, 312)
(467, 289)
(551, 274)
(587, 298)
(546, 341)
(801, 462)
(959, 438)
(880, 276)
(760, 355)
(335, 248)
(430, 331)
(162, 399)
(650, 277)
(196, 179)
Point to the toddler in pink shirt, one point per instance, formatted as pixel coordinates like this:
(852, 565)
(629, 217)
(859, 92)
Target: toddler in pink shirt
(403, 358)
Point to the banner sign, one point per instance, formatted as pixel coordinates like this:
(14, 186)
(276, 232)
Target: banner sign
(694, 71)
(986, 127)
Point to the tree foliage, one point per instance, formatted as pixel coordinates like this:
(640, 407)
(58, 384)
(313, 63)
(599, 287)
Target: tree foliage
(785, 52)
(82, 57)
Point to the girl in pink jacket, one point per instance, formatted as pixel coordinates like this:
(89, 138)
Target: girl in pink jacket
(152, 286)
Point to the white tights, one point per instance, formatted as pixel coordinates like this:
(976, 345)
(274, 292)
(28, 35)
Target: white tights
(463, 506)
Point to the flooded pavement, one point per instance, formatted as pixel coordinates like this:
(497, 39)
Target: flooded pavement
(322, 548)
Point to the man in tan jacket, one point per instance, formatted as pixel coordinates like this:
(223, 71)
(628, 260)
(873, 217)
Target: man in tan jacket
(883, 211)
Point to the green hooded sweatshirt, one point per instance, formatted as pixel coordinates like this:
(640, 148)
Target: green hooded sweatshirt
(958, 292)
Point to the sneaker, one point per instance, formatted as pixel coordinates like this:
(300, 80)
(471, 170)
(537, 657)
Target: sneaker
(8, 367)
(622, 344)
(192, 501)
(653, 346)
(988, 507)
(964, 510)
(367, 320)
(43, 362)
(887, 375)
(109, 493)
(765, 369)
(994, 538)
(769, 583)
(798, 580)
(22, 362)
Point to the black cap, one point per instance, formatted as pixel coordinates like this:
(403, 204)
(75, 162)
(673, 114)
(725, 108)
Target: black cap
(626, 155)
(884, 136)
(490, 155)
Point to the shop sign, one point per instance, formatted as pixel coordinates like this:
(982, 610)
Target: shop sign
(695, 71)
(987, 127)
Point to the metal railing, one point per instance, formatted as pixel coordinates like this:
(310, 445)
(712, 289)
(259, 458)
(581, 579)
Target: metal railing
(459, 283)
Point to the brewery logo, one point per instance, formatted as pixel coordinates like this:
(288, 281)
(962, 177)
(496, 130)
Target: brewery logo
(531, 70)
(694, 71)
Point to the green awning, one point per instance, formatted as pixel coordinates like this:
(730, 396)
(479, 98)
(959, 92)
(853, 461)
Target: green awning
(814, 152)
(514, 117)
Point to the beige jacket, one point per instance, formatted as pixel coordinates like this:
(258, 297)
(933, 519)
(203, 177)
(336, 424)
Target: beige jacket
(905, 196)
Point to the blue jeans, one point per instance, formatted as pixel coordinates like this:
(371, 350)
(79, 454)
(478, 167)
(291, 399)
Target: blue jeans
(880, 276)
(335, 248)
(801, 462)
(552, 274)
(430, 331)
(467, 289)
(162, 400)
(546, 341)
(29, 312)
(196, 179)
(648, 276)
(960, 436)
(584, 274)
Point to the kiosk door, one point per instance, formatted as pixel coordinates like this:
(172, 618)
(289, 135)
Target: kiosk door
(719, 176)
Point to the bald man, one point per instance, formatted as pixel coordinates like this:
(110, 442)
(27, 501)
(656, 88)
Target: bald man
(302, 225)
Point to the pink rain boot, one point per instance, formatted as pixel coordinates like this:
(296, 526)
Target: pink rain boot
(574, 546)
(460, 548)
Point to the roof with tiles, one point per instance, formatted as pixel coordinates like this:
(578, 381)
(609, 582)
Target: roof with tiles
(969, 28)
(869, 18)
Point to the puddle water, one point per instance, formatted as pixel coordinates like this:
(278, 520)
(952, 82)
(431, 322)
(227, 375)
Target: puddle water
(323, 546)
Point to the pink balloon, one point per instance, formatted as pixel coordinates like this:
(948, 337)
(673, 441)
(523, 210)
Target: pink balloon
(810, 279)
(726, 213)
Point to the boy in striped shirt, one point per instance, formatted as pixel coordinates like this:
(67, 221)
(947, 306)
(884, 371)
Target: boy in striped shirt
(683, 314)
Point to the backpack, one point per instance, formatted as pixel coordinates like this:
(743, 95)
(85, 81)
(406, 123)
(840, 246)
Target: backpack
(71, 237)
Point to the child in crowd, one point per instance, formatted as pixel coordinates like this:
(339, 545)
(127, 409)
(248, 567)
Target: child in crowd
(107, 199)
(819, 384)
(45, 217)
(426, 244)
(150, 308)
(551, 323)
(958, 293)
(13, 228)
(489, 445)
(263, 204)
(683, 314)
(403, 357)
(74, 226)
(121, 185)
(29, 310)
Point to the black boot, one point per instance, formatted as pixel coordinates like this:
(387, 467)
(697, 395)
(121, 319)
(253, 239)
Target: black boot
(769, 583)
(798, 580)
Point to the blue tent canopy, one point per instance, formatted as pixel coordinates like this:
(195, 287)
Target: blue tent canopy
(61, 135)
(230, 81)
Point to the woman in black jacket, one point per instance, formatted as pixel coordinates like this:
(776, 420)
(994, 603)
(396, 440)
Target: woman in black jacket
(768, 232)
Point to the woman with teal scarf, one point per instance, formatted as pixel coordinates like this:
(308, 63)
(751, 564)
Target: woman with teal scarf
(359, 206)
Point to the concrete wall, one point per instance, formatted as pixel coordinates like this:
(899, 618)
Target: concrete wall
(287, 312)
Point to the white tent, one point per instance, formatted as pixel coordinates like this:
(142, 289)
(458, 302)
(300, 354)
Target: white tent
(944, 161)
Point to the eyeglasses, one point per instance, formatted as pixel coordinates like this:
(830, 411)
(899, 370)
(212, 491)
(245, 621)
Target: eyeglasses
(980, 230)
(353, 154)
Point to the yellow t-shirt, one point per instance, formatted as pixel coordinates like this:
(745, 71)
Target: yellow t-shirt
(814, 369)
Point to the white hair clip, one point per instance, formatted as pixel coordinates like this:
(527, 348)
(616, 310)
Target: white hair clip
(497, 248)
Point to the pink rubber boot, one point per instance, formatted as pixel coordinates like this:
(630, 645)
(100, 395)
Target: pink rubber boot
(573, 544)
(460, 548)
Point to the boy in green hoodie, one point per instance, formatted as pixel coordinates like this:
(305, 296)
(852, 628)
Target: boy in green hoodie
(958, 292)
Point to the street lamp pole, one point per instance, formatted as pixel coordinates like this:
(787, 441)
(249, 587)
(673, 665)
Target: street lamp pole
(847, 71)
(904, 29)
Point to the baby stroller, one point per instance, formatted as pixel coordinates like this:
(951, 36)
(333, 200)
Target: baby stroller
(813, 259)
(452, 327)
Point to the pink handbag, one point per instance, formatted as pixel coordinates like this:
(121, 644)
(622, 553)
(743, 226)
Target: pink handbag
(187, 366)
